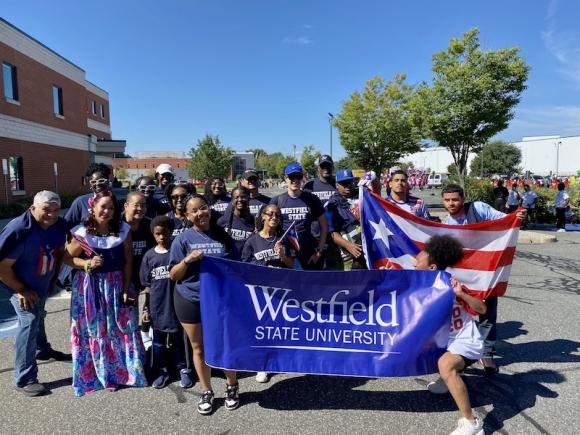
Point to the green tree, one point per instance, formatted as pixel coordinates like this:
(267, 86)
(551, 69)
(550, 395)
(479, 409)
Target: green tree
(499, 157)
(209, 159)
(308, 159)
(377, 127)
(472, 96)
(346, 162)
(121, 173)
(258, 153)
(281, 164)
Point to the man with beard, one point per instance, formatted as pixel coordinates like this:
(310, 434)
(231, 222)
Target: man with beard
(400, 196)
(31, 248)
(463, 213)
(323, 186)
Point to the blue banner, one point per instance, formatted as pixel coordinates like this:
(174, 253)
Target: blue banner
(374, 323)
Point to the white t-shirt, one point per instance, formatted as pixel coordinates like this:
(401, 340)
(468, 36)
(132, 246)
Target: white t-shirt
(528, 199)
(464, 337)
(561, 199)
(513, 198)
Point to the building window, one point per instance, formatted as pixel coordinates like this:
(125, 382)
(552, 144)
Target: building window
(102, 108)
(10, 81)
(16, 173)
(94, 107)
(57, 100)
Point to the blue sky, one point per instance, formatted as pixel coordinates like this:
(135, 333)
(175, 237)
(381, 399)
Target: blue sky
(266, 73)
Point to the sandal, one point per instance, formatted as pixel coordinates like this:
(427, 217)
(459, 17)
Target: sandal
(489, 367)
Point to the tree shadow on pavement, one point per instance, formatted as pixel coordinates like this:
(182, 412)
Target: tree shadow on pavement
(550, 351)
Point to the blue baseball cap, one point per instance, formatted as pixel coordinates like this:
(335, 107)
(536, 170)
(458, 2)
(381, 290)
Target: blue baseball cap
(293, 168)
(344, 175)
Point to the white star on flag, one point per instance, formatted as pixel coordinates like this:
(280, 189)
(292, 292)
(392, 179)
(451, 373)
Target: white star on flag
(381, 232)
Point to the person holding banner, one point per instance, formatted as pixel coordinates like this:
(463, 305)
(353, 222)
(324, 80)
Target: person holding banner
(188, 248)
(462, 213)
(301, 209)
(465, 343)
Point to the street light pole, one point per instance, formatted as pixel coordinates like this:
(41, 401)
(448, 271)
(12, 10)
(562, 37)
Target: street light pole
(330, 120)
(558, 157)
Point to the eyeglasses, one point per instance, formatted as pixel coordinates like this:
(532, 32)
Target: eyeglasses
(98, 182)
(179, 197)
(147, 188)
(272, 214)
(137, 204)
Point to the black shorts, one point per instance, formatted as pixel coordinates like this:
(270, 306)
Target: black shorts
(468, 362)
(186, 311)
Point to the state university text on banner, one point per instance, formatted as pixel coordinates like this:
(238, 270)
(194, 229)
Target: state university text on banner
(359, 323)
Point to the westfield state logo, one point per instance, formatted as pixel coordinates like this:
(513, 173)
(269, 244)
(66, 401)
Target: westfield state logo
(275, 301)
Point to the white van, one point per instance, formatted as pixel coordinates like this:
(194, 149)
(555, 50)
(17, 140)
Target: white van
(436, 180)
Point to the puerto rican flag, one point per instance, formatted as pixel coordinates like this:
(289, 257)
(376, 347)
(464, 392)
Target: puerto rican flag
(393, 237)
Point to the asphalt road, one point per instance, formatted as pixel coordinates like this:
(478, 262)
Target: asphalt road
(535, 392)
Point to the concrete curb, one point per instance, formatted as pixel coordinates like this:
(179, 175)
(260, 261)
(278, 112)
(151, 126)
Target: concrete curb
(531, 237)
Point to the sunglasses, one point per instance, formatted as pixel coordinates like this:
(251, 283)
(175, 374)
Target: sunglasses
(148, 188)
(252, 179)
(179, 197)
(272, 214)
(295, 177)
(98, 182)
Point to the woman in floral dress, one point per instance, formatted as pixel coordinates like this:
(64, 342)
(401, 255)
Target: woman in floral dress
(106, 344)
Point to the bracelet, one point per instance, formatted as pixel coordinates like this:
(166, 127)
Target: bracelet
(87, 266)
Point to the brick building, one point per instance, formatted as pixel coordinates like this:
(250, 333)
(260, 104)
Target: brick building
(145, 164)
(53, 122)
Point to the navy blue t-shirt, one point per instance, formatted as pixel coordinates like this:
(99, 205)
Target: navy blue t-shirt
(179, 225)
(186, 242)
(154, 274)
(258, 250)
(221, 205)
(78, 211)
(239, 231)
(303, 210)
(34, 251)
(142, 240)
(321, 189)
(161, 201)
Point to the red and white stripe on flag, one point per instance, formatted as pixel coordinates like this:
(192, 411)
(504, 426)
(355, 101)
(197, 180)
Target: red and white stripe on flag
(489, 248)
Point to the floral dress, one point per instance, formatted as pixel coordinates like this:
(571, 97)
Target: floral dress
(106, 343)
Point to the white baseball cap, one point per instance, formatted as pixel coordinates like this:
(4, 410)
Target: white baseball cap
(165, 168)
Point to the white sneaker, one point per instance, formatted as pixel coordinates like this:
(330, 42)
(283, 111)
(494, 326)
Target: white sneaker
(437, 387)
(561, 230)
(262, 377)
(466, 427)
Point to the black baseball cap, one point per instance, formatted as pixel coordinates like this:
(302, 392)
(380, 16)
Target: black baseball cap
(249, 174)
(325, 158)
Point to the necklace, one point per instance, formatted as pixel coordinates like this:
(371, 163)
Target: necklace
(267, 239)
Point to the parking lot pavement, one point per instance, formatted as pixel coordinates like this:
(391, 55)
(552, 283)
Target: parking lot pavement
(535, 391)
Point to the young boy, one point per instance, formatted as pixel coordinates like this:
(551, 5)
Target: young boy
(465, 345)
(168, 336)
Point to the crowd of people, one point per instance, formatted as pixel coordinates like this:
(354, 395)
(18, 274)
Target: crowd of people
(153, 244)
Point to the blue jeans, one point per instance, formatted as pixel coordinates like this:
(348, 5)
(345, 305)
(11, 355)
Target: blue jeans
(29, 335)
(487, 327)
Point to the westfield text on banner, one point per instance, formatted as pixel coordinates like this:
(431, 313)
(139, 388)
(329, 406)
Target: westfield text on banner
(361, 323)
